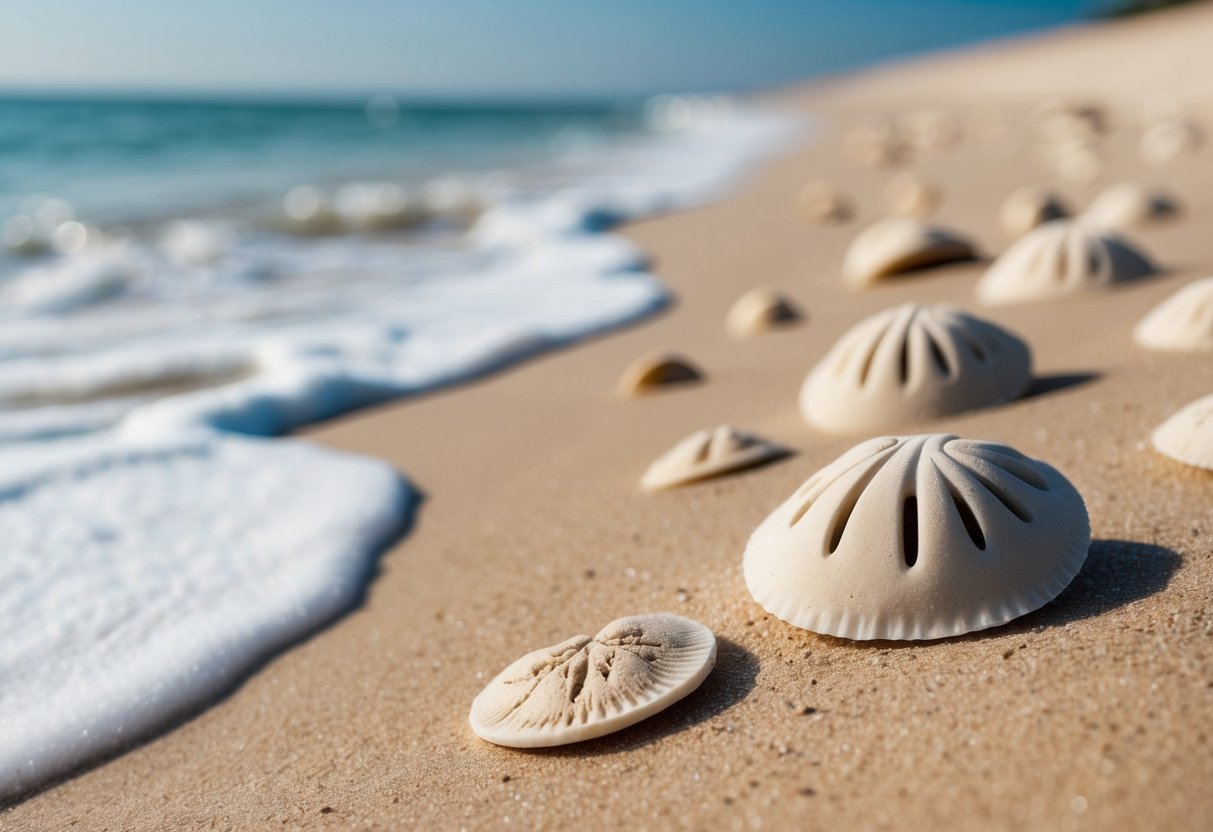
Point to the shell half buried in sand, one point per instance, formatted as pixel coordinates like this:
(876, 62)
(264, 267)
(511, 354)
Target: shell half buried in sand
(587, 687)
(901, 244)
(1129, 205)
(910, 363)
(1029, 208)
(760, 310)
(657, 370)
(1187, 436)
(1182, 322)
(919, 537)
(1063, 257)
(709, 453)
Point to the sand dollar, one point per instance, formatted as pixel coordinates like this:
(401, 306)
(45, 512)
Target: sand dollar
(919, 537)
(1128, 205)
(586, 687)
(901, 244)
(1187, 436)
(1182, 322)
(1063, 257)
(1028, 208)
(709, 453)
(656, 370)
(913, 362)
(760, 310)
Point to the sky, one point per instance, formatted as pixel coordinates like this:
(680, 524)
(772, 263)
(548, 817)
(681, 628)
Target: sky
(478, 47)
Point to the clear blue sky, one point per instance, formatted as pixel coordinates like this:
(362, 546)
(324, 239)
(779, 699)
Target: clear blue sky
(520, 47)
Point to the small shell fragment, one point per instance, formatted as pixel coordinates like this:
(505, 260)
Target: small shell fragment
(1187, 436)
(822, 203)
(919, 537)
(657, 369)
(760, 310)
(1029, 208)
(1062, 257)
(909, 196)
(709, 453)
(911, 363)
(900, 244)
(1182, 322)
(1129, 205)
(586, 687)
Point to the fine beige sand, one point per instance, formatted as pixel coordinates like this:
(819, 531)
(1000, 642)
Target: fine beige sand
(1093, 713)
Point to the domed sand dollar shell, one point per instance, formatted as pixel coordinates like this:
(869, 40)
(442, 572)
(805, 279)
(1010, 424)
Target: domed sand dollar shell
(656, 370)
(1063, 257)
(708, 453)
(587, 687)
(1182, 322)
(1167, 140)
(908, 195)
(1187, 436)
(1029, 208)
(822, 203)
(760, 310)
(1128, 205)
(900, 244)
(919, 537)
(910, 363)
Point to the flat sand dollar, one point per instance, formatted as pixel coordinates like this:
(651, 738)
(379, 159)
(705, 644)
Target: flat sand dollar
(656, 370)
(1063, 257)
(913, 362)
(1028, 208)
(1182, 322)
(1187, 436)
(1128, 205)
(709, 453)
(760, 310)
(901, 244)
(919, 537)
(590, 686)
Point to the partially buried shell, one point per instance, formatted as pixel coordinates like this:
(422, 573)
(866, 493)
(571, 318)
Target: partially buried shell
(1029, 208)
(1129, 205)
(709, 453)
(1182, 322)
(1187, 436)
(910, 363)
(656, 370)
(1063, 257)
(901, 244)
(919, 537)
(760, 310)
(587, 687)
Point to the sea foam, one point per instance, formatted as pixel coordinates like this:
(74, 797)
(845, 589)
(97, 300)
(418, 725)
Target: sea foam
(154, 549)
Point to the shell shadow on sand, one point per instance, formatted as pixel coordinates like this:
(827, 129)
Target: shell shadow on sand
(732, 679)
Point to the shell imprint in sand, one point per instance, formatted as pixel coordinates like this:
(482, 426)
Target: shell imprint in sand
(1063, 257)
(822, 203)
(760, 310)
(1182, 322)
(899, 244)
(1167, 140)
(1128, 205)
(1187, 435)
(910, 363)
(1029, 208)
(708, 453)
(910, 196)
(657, 369)
(919, 537)
(587, 687)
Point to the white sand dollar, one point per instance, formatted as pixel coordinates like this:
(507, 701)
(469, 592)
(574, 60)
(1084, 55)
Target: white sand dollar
(1028, 208)
(900, 244)
(656, 370)
(919, 537)
(1128, 205)
(760, 310)
(823, 203)
(587, 687)
(1063, 257)
(1187, 436)
(709, 453)
(910, 363)
(1182, 322)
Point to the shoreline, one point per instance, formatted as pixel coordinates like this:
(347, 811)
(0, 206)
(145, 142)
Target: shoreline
(366, 722)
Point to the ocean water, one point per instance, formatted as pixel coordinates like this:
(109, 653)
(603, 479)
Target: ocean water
(184, 283)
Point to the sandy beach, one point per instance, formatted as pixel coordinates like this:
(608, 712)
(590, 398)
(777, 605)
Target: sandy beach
(1096, 712)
